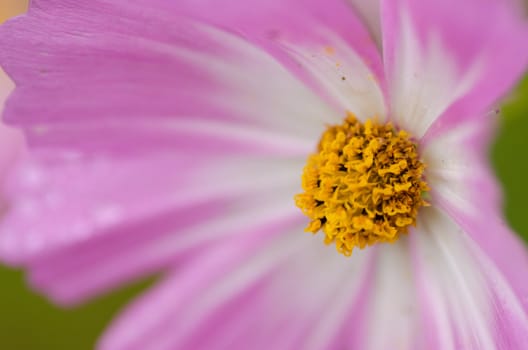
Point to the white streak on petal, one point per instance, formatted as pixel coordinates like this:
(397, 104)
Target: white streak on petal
(234, 283)
(460, 280)
(426, 79)
(256, 214)
(392, 317)
(344, 75)
(370, 12)
(6, 86)
(450, 164)
(507, 303)
(259, 87)
(336, 295)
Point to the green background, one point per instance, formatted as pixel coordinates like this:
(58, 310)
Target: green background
(29, 321)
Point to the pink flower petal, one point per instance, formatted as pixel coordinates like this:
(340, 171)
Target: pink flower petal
(88, 268)
(450, 60)
(141, 64)
(466, 189)
(212, 139)
(6, 87)
(71, 199)
(289, 294)
(186, 134)
(371, 15)
(12, 145)
(323, 42)
(464, 299)
(391, 314)
(496, 239)
(464, 186)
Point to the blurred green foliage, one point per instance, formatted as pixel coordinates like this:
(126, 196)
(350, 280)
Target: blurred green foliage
(509, 156)
(29, 322)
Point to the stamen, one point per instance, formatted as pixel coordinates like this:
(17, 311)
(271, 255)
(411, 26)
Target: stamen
(363, 186)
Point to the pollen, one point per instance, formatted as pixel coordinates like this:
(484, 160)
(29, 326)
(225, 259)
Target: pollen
(363, 186)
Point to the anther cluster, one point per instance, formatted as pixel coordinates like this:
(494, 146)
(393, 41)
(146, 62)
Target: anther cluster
(364, 185)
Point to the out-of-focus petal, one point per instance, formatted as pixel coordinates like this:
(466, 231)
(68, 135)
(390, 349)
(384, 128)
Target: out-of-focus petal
(74, 201)
(447, 61)
(464, 299)
(12, 144)
(282, 295)
(371, 15)
(127, 253)
(390, 312)
(463, 185)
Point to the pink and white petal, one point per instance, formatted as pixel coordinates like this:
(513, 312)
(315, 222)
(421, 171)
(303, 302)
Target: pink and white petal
(102, 195)
(323, 42)
(391, 314)
(6, 87)
(496, 240)
(459, 158)
(183, 135)
(510, 315)
(371, 14)
(465, 300)
(343, 75)
(136, 62)
(463, 185)
(434, 312)
(88, 268)
(69, 199)
(342, 59)
(284, 294)
(448, 61)
(11, 141)
(12, 144)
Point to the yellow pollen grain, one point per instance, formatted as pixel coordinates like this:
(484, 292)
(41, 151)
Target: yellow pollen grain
(364, 185)
(329, 50)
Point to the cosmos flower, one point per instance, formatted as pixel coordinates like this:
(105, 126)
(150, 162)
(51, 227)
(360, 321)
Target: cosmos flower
(198, 139)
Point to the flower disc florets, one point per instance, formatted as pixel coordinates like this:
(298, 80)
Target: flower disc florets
(363, 186)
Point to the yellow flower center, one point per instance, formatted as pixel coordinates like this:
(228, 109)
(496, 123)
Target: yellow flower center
(363, 186)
